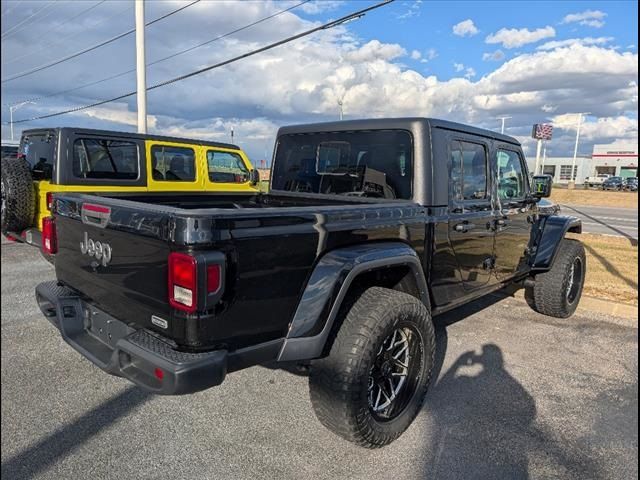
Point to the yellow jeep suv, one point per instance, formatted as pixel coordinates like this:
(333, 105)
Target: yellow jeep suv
(105, 162)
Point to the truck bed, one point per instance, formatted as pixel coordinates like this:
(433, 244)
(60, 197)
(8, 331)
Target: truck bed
(270, 244)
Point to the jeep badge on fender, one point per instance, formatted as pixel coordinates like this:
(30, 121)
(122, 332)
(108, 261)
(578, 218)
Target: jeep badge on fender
(101, 251)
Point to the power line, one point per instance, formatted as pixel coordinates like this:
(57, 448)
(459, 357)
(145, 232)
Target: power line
(4, 35)
(117, 75)
(65, 38)
(48, 14)
(94, 47)
(334, 23)
(44, 34)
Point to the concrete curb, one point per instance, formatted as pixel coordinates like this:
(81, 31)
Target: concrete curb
(607, 307)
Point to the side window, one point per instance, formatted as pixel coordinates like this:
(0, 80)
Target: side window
(105, 159)
(38, 151)
(468, 170)
(511, 177)
(226, 167)
(172, 164)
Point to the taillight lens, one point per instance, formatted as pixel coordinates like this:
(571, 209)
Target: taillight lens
(183, 281)
(213, 278)
(49, 197)
(49, 237)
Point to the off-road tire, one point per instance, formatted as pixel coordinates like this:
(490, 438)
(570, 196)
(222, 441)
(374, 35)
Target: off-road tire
(550, 294)
(18, 195)
(339, 383)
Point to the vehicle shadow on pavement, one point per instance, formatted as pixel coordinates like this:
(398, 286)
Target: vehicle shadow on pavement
(64, 441)
(481, 421)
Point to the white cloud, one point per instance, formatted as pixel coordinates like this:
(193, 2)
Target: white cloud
(374, 50)
(412, 11)
(496, 56)
(513, 37)
(466, 28)
(300, 82)
(416, 55)
(590, 18)
(458, 67)
(429, 55)
(574, 41)
(319, 6)
(469, 73)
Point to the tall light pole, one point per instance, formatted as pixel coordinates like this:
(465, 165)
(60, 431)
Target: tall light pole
(13, 108)
(141, 74)
(503, 119)
(572, 182)
(340, 103)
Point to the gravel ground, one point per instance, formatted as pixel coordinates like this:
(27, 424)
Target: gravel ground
(518, 395)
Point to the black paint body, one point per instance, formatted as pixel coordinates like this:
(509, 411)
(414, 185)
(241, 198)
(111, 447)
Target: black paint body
(290, 258)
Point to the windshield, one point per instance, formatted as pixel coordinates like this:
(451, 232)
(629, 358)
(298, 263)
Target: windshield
(363, 163)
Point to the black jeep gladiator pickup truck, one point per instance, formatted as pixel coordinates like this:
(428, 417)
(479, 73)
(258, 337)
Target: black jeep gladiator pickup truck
(371, 228)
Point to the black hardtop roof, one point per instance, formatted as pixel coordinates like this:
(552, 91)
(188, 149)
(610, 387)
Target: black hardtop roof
(138, 136)
(392, 123)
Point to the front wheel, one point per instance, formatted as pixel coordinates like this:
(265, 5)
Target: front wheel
(557, 292)
(372, 384)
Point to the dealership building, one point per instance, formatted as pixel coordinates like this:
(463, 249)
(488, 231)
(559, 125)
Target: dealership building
(619, 159)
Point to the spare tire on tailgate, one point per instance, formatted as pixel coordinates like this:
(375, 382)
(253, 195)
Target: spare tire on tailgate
(18, 195)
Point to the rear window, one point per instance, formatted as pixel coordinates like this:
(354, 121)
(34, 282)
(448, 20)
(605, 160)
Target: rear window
(173, 164)
(105, 159)
(375, 164)
(226, 167)
(38, 150)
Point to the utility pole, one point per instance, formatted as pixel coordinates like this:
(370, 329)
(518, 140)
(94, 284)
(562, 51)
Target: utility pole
(544, 157)
(572, 182)
(538, 149)
(503, 119)
(13, 108)
(340, 103)
(231, 134)
(141, 74)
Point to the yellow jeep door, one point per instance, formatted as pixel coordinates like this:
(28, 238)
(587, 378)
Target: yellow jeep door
(174, 167)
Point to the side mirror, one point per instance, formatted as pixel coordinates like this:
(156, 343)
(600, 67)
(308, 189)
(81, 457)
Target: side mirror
(542, 186)
(254, 176)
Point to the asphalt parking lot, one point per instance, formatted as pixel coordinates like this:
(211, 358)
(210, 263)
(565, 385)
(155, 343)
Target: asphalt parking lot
(518, 395)
(621, 222)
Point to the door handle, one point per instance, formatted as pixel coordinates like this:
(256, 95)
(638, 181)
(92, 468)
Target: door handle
(464, 227)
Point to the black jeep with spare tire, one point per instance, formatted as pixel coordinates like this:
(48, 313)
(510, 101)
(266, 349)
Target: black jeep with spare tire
(370, 228)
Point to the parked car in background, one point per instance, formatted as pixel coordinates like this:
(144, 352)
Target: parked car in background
(630, 184)
(613, 183)
(102, 162)
(596, 180)
(9, 149)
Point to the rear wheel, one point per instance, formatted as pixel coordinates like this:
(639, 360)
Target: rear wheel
(18, 195)
(557, 292)
(372, 384)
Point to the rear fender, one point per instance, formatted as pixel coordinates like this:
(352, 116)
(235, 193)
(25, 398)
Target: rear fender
(553, 229)
(328, 285)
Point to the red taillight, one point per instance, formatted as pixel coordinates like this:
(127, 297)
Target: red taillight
(158, 373)
(183, 292)
(213, 278)
(49, 238)
(49, 200)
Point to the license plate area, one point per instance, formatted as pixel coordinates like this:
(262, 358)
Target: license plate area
(103, 326)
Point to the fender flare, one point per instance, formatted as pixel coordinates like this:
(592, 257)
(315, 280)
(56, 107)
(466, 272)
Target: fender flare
(328, 285)
(553, 230)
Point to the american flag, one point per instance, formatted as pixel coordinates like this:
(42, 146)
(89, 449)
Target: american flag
(542, 131)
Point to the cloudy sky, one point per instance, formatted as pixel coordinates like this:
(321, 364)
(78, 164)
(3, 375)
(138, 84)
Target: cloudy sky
(465, 61)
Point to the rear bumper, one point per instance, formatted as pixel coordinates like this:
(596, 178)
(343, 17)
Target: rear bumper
(137, 355)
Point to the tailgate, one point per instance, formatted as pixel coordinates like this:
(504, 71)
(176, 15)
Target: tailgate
(115, 257)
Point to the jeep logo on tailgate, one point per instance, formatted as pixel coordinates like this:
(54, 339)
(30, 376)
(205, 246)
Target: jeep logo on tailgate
(101, 251)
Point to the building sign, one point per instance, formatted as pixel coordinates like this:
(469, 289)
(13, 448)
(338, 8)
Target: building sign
(542, 131)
